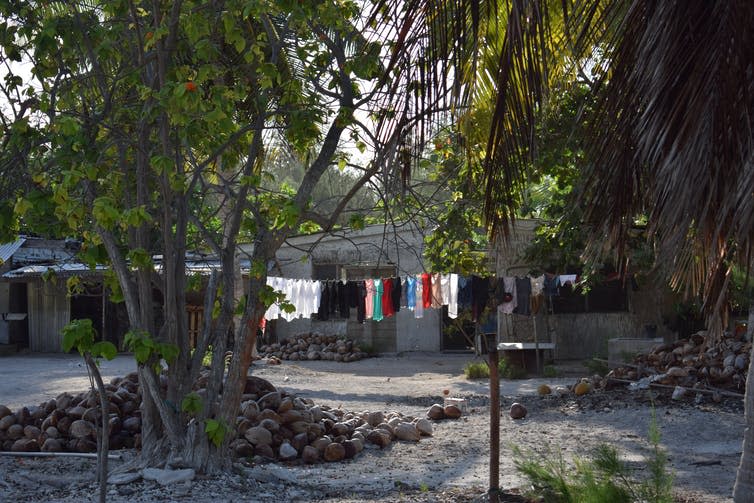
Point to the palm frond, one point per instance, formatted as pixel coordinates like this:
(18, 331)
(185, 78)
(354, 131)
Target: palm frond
(673, 133)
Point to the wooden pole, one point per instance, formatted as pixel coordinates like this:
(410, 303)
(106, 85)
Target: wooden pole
(494, 490)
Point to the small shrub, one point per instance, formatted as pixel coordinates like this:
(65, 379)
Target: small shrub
(599, 479)
(476, 370)
(509, 370)
(596, 366)
(549, 371)
(506, 370)
(658, 487)
(367, 348)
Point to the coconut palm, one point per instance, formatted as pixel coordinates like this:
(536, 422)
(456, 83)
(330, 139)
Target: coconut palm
(671, 136)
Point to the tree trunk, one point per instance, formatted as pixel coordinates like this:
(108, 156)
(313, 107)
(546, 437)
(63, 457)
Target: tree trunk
(103, 440)
(743, 490)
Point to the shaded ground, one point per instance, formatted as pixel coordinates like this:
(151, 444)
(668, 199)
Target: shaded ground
(703, 440)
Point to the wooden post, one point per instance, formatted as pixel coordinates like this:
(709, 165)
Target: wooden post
(494, 490)
(536, 343)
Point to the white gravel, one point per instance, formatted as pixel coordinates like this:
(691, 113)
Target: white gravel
(703, 441)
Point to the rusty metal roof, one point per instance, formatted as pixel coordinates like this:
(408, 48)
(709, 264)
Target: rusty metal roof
(37, 271)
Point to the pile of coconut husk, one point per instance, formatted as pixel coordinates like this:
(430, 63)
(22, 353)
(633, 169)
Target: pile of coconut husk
(278, 425)
(697, 362)
(68, 423)
(314, 346)
(272, 424)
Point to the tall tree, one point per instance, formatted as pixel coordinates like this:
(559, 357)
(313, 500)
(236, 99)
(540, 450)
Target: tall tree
(670, 136)
(148, 124)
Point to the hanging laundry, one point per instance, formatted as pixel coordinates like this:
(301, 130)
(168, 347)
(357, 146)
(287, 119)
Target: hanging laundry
(480, 292)
(344, 310)
(453, 296)
(537, 285)
(323, 313)
(464, 292)
(333, 298)
(426, 290)
(436, 291)
(397, 290)
(411, 292)
(510, 300)
(292, 293)
(311, 293)
(523, 293)
(352, 292)
(387, 297)
(444, 289)
(273, 312)
(361, 293)
(551, 285)
(369, 299)
(419, 310)
(404, 292)
(377, 300)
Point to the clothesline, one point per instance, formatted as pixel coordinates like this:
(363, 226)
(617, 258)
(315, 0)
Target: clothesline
(380, 298)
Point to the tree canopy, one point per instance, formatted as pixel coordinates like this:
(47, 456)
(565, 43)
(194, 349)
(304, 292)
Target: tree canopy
(153, 129)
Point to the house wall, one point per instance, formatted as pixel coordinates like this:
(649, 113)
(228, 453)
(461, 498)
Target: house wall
(585, 335)
(49, 312)
(577, 336)
(581, 335)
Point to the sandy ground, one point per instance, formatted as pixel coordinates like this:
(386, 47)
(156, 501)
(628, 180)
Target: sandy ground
(703, 439)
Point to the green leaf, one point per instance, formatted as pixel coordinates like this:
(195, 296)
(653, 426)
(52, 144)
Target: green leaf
(356, 222)
(69, 340)
(140, 343)
(191, 403)
(161, 163)
(211, 426)
(168, 352)
(258, 268)
(78, 334)
(141, 353)
(105, 212)
(140, 258)
(216, 431)
(104, 349)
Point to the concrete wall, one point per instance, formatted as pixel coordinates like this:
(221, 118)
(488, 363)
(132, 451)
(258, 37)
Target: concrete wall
(583, 336)
(576, 336)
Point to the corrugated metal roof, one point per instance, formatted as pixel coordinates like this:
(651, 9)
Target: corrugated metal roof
(69, 269)
(8, 249)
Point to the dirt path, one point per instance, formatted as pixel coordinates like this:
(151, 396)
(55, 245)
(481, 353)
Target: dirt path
(703, 440)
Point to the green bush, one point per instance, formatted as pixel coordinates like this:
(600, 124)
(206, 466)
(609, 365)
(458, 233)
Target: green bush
(506, 370)
(509, 370)
(367, 348)
(476, 370)
(549, 371)
(596, 366)
(600, 479)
